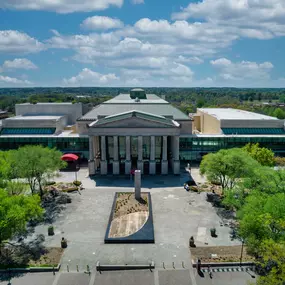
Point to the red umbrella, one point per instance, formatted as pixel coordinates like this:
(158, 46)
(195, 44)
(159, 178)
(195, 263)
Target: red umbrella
(69, 157)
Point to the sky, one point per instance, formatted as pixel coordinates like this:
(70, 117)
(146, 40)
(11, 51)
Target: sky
(142, 43)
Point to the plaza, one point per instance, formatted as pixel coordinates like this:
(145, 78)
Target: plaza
(177, 215)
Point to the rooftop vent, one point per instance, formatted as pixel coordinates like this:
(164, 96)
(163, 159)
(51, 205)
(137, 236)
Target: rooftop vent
(138, 93)
(137, 100)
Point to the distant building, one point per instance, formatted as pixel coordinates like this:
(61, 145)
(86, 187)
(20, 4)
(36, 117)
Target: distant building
(3, 114)
(138, 131)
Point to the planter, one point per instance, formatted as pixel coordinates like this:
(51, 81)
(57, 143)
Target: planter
(213, 232)
(191, 242)
(50, 231)
(63, 243)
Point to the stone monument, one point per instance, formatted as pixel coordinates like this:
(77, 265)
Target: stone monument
(138, 180)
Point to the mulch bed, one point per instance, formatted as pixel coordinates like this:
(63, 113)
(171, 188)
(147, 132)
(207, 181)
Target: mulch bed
(127, 204)
(224, 254)
(51, 257)
(22, 257)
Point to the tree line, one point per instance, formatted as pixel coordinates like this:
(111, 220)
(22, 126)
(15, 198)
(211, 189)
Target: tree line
(186, 99)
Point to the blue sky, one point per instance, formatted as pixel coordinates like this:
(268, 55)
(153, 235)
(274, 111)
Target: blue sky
(181, 43)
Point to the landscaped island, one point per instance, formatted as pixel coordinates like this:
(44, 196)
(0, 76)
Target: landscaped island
(130, 219)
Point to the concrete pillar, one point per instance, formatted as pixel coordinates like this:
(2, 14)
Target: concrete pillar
(128, 163)
(164, 162)
(103, 162)
(176, 161)
(97, 151)
(152, 162)
(103, 148)
(140, 154)
(116, 163)
(91, 163)
(138, 184)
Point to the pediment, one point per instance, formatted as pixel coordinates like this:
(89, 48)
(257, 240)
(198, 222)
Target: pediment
(134, 119)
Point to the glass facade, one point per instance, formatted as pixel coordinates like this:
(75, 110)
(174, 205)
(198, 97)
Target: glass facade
(122, 148)
(158, 148)
(193, 148)
(110, 147)
(146, 148)
(67, 144)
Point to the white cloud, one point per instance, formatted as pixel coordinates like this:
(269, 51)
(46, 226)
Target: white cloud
(88, 77)
(135, 2)
(60, 6)
(243, 70)
(221, 62)
(101, 23)
(19, 63)
(12, 41)
(261, 19)
(193, 60)
(6, 81)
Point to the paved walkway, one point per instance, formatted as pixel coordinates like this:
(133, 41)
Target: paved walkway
(140, 277)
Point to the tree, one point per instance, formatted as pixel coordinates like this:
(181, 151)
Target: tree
(15, 212)
(35, 163)
(263, 155)
(15, 188)
(227, 166)
(282, 98)
(272, 259)
(261, 218)
(279, 113)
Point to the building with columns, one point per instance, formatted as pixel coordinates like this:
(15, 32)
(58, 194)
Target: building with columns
(134, 131)
(138, 131)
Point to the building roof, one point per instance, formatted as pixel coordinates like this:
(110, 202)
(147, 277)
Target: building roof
(49, 103)
(123, 103)
(126, 99)
(234, 114)
(35, 117)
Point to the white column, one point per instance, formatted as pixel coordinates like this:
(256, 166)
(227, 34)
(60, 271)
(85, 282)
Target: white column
(116, 164)
(128, 156)
(140, 154)
(103, 162)
(103, 148)
(176, 161)
(164, 162)
(91, 163)
(152, 162)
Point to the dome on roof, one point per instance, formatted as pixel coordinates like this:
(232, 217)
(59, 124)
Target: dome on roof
(138, 93)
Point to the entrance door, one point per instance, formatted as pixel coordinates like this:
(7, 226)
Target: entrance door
(134, 152)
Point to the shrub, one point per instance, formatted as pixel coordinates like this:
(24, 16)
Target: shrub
(48, 183)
